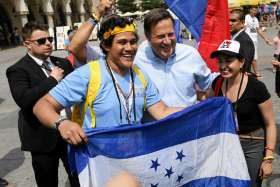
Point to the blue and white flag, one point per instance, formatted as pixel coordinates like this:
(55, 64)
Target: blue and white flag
(195, 147)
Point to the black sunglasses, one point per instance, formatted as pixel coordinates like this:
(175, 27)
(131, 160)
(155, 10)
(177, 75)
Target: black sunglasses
(233, 20)
(42, 41)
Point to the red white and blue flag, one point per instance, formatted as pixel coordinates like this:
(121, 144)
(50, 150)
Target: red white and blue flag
(195, 147)
(208, 22)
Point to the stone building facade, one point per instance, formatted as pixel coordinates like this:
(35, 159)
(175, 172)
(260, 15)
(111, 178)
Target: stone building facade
(16, 13)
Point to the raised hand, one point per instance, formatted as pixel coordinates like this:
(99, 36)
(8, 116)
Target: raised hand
(103, 7)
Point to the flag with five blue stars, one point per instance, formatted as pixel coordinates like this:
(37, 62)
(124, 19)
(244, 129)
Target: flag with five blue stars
(195, 147)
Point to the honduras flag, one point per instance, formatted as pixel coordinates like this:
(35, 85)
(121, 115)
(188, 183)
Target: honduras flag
(208, 22)
(194, 147)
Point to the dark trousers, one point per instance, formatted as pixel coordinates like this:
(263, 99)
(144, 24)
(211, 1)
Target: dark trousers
(254, 153)
(45, 166)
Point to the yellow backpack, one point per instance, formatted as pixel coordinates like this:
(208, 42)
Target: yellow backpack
(93, 90)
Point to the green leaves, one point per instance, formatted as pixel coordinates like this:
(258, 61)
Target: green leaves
(127, 6)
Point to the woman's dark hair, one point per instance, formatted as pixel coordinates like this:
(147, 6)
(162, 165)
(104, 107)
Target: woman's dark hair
(153, 17)
(109, 24)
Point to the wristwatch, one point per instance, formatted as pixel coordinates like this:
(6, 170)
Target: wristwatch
(59, 121)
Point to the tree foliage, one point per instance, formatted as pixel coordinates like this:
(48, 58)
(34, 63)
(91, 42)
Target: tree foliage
(127, 6)
(150, 4)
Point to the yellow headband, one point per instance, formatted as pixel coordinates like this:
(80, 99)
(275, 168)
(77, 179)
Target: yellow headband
(128, 28)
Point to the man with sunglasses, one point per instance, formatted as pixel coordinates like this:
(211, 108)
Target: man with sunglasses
(30, 79)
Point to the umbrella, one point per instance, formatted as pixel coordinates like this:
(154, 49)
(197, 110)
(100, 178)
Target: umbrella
(233, 3)
(238, 3)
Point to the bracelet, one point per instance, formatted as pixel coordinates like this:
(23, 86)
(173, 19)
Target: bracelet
(269, 148)
(95, 17)
(268, 158)
(59, 121)
(93, 21)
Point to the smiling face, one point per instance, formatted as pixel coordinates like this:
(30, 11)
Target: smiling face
(121, 53)
(163, 39)
(229, 66)
(42, 51)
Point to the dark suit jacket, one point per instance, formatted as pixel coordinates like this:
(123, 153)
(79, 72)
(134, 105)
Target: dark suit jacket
(248, 45)
(28, 83)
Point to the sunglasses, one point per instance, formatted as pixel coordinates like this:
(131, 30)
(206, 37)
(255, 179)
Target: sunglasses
(42, 41)
(233, 20)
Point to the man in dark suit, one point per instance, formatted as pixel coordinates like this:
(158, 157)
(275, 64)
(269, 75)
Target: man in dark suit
(30, 79)
(237, 19)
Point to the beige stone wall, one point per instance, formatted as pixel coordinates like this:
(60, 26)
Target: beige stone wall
(51, 12)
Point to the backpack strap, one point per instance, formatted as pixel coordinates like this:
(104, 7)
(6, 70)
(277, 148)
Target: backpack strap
(143, 81)
(92, 92)
(218, 85)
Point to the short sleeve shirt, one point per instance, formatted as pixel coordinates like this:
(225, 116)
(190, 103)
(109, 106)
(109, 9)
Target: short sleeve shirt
(73, 89)
(248, 113)
(251, 25)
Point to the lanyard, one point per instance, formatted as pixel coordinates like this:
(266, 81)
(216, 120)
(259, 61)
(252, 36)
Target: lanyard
(125, 100)
(238, 93)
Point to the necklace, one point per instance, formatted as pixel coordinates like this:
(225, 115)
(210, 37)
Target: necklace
(127, 101)
(238, 92)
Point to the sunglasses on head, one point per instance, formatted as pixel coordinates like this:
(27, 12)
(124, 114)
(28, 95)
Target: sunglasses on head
(42, 41)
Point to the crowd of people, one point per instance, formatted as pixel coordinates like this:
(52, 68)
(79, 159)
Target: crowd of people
(120, 83)
(268, 14)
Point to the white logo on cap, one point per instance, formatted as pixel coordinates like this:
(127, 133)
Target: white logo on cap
(226, 44)
(230, 45)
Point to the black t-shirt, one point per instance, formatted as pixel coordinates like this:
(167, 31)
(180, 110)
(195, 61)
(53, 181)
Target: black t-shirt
(248, 113)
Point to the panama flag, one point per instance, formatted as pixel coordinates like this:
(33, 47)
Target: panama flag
(208, 22)
(194, 147)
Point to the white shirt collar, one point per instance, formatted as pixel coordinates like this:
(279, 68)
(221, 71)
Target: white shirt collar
(237, 34)
(37, 60)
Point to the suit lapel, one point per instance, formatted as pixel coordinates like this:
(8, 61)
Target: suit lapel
(55, 61)
(34, 67)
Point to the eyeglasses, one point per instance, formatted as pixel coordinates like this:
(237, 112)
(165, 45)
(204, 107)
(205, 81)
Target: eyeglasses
(42, 41)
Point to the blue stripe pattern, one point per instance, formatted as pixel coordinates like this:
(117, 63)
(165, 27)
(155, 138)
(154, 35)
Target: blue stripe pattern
(218, 182)
(210, 117)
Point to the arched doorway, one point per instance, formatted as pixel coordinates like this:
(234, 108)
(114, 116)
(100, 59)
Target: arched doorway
(5, 28)
(75, 15)
(59, 16)
(87, 8)
(36, 12)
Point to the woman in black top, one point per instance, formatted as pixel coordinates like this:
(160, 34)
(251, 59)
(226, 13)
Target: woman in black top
(252, 107)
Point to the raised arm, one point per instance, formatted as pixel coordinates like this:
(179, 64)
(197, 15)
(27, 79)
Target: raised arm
(263, 36)
(78, 43)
